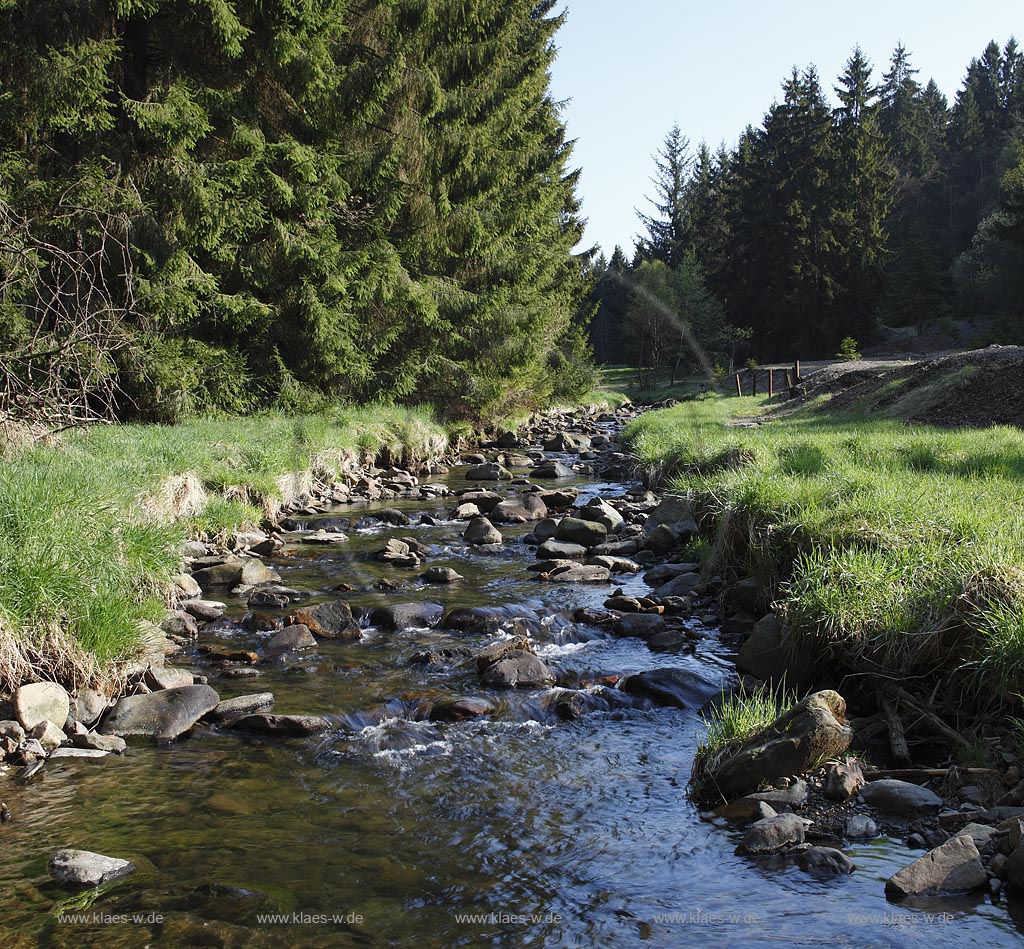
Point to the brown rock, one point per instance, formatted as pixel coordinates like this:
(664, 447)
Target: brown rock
(954, 867)
(812, 731)
(843, 780)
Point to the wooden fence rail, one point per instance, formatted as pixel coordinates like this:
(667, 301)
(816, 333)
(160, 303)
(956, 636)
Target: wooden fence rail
(791, 369)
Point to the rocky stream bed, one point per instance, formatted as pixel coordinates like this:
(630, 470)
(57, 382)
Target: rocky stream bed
(459, 707)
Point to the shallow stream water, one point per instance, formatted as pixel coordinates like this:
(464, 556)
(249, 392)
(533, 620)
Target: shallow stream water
(518, 829)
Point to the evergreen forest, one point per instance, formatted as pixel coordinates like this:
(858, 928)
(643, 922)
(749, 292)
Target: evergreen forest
(887, 212)
(233, 204)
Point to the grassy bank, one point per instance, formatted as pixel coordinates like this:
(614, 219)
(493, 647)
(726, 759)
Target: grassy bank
(92, 526)
(889, 550)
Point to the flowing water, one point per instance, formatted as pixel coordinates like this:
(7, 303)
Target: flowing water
(518, 829)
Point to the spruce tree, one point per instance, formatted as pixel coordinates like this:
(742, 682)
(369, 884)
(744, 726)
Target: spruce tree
(862, 181)
(668, 233)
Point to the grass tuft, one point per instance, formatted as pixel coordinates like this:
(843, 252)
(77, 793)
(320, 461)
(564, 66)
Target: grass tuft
(730, 722)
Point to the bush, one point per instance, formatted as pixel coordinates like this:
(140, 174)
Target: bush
(169, 380)
(848, 349)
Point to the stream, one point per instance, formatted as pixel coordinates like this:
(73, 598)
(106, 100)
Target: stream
(513, 829)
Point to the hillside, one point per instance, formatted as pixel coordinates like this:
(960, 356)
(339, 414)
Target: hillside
(976, 388)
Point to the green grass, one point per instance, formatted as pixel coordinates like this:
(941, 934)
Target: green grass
(889, 549)
(610, 398)
(91, 528)
(731, 722)
(622, 381)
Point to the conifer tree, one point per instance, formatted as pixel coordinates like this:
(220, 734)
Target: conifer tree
(333, 199)
(862, 181)
(668, 233)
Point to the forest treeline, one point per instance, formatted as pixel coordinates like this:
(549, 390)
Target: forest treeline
(890, 208)
(228, 204)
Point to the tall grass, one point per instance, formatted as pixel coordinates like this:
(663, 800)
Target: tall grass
(730, 723)
(889, 549)
(91, 528)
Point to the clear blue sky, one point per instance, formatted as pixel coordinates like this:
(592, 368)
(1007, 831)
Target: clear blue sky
(629, 70)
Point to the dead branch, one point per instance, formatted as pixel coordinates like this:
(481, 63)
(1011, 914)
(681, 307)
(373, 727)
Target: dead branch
(65, 318)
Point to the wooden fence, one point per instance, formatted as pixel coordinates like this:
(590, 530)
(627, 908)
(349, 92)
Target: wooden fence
(791, 370)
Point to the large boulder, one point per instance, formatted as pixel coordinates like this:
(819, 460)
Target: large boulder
(227, 573)
(615, 564)
(567, 442)
(762, 654)
(186, 585)
(566, 571)
(597, 509)
(161, 715)
(85, 868)
(256, 571)
(485, 501)
(438, 574)
(553, 470)
(480, 532)
(459, 708)
(296, 636)
(901, 797)
(661, 541)
(575, 530)
(489, 472)
(474, 619)
(825, 861)
(523, 507)
(672, 686)
(640, 625)
(953, 867)
(333, 620)
(230, 710)
(96, 742)
(814, 730)
(765, 655)
(496, 651)
(41, 702)
(397, 616)
(773, 833)
(617, 548)
(561, 550)
(558, 499)
(285, 726)
(663, 572)
(518, 669)
(683, 585)
(545, 529)
(675, 514)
